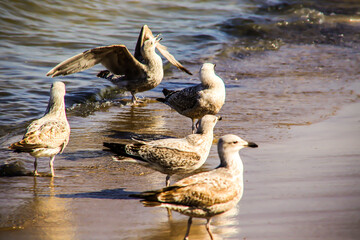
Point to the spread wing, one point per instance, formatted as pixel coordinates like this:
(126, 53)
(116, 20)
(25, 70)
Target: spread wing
(145, 34)
(163, 50)
(116, 58)
(49, 134)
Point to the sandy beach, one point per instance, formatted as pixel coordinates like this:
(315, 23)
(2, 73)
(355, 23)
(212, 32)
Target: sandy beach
(291, 72)
(303, 187)
(307, 186)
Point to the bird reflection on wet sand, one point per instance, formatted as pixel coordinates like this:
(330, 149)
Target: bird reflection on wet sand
(42, 216)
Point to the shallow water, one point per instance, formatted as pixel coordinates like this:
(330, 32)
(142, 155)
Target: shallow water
(285, 64)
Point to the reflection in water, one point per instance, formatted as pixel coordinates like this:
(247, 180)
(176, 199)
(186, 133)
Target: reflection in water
(277, 71)
(151, 118)
(223, 226)
(42, 216)
(53, 221)
(139, 118)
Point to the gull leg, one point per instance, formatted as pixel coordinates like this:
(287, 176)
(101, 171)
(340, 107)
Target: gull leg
(52, 165)
(193, 126)
(169, 214)
(134, 98)
(208, 228)
(168, 184)
(188, 229)
(197, 125)
(167, 180)
(35, 168)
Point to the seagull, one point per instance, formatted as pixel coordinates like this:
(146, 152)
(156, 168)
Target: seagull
(138, 73)
(49, 135)
(194, 102)
(206, 194)
(172, 155)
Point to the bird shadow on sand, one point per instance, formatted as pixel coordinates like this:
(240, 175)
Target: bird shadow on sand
(134, 136)
(118, 193)
(83, 154)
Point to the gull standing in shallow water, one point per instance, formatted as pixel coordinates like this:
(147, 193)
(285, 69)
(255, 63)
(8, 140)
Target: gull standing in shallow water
(172, 155)
(49, 135)
(138, 73)
(206, 194)
(194, 102)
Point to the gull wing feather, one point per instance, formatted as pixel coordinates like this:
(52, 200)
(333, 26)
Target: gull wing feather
(116, 58)
(200, 190)
(145, 34)
(168, 157)
(50, 134)
(204, 189)
(163, 50)
(184, 99)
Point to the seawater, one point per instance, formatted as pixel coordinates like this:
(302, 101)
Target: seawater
(284, 63)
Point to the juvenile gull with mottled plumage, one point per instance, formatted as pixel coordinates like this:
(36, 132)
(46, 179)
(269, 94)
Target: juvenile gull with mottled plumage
(206, 194)
(172, 155)
(49, 135)
(138, 73)
(205, 98)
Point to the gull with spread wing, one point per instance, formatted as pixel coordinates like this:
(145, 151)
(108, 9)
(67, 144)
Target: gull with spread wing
(135, 73)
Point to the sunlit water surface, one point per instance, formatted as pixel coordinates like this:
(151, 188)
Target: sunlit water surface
(285, 64)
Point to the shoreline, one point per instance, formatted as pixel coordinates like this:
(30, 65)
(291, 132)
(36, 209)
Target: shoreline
(304, 186)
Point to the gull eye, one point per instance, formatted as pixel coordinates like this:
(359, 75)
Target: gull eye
(235, 142)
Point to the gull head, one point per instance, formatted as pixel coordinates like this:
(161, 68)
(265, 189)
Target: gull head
(208, 76)
(207, 67)
(151, 43)
(232, 143)
(207, 123)
(57, 103)
(58, 89)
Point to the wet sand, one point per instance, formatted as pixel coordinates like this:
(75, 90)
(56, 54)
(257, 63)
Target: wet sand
(306, 187)
(289, 70)
(302, 187)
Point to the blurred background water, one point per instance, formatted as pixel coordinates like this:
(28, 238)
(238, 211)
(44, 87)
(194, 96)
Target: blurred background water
(284, 63)
(237, 35)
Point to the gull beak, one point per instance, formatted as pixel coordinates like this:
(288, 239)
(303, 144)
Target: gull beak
(158, 38)
(252, 145)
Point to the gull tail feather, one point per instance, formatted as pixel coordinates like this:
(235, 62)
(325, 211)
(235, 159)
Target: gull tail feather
(160, 100)
(117, 148)
(122, 150)
(150, 204)
(23, 147)
(167, 92)
(161, 195)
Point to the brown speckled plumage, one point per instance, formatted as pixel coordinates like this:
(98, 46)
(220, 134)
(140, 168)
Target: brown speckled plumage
(172, 155)
(206, 194)
(49, 135)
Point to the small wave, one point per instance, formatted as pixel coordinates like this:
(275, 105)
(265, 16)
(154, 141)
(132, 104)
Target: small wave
(290, 23)
(87, 102)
